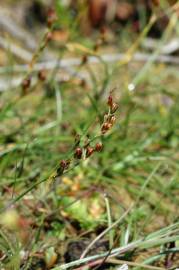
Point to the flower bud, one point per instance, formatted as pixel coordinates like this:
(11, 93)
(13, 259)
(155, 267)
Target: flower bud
(113, 119)
(89, 151)
(98, 147)
(110, 101)
(62, 167)
(78, 153)
(63, 164)
(105, 127)
(114, 107)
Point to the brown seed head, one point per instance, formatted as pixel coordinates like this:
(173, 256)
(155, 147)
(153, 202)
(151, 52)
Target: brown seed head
(114, 107)
(89, 151)
(105, 127)
(98, 147)
(113, 119)
(78, 153)
(110, 101)
(63, 164)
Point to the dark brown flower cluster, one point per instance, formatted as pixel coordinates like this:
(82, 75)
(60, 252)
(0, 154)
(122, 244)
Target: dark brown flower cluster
(79, 153)
(85, 151)
(109, 118)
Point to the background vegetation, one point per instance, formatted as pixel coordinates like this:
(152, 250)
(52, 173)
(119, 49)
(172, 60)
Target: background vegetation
(123, 200)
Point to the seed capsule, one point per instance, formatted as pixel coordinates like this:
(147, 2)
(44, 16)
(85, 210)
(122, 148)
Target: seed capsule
(114, 107)
(110, 101)
(89, 151)
(78, 153)
(98, 147)
(105, 127)
(63, 164)
(62, 167)
(113, 119)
